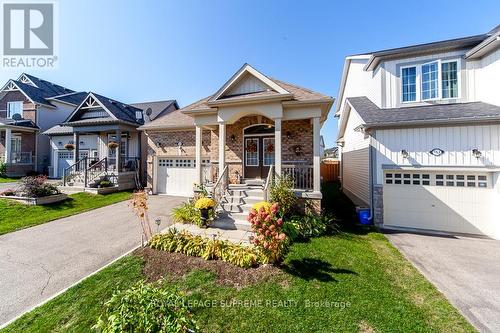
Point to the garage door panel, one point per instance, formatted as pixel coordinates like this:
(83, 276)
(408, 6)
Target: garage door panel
(446, 204)
(176, 176)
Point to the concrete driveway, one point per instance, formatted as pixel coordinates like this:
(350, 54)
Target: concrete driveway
(466, 270)
(38, 262)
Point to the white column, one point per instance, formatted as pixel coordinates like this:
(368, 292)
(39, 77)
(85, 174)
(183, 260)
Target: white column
(277, 145)
(8, 141)
(316, 156)
(118, 150)
(198, 154)
(222, 147)
(76, 142)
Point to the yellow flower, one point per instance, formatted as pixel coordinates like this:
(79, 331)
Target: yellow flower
(204, 203)
(263, 204)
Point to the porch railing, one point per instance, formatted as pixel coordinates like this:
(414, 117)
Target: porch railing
(76, 172)
(269, 182)
(24, 157)
(301, 174)
(96, 170)
(220, 186)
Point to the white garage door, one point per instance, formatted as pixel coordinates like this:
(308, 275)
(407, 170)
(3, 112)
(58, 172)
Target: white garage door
(65, 159)
(444, 201)
(176, 176)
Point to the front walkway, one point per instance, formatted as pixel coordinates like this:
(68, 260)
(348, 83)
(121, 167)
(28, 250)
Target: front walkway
(38, 262)
(466, 270)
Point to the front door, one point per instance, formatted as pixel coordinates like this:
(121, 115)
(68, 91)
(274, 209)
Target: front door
(259, 156)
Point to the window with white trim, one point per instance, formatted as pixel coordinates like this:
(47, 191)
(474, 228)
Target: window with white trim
(14, 108)
(438, 79)
(252, 152)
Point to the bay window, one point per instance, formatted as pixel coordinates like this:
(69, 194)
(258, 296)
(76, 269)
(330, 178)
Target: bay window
(430, 81)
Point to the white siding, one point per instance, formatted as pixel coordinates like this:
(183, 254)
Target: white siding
(247, 84)
(457, 143)
(355, 162)
(484, 78)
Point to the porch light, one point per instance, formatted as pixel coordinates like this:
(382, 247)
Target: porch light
(404, 153)
(476, 153)
(179, 144)
(233, 138)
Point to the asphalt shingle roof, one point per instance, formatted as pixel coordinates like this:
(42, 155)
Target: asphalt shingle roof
(73, 98)
(21, 123)
(373, 116)
(157, 108)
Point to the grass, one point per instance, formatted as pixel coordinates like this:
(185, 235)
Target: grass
(352, 282)
(8, 179)
(16, 216)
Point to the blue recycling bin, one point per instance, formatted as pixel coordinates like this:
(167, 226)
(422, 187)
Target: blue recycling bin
(363, 215)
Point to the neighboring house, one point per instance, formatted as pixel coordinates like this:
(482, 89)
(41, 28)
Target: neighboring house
(331, 153)
(88, 133)
(28, 106)
(97, 121)
(420, 134)
(249, 124)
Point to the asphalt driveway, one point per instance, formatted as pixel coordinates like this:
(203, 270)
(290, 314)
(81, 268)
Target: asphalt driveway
(466, 270)
(38, 262)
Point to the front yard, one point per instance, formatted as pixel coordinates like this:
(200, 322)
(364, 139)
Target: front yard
(354, 281)
(8, 179)
(15, 216)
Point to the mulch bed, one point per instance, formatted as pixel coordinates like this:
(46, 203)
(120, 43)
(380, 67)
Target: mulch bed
(166, 265)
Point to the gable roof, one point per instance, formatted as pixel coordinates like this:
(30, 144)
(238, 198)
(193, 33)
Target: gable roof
(74, 98)
(374, 117)
(118, 111)
(157, 108)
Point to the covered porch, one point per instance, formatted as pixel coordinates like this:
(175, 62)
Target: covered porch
(17, 149)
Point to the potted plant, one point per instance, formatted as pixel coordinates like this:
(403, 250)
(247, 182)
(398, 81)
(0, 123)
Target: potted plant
(113, 145)
(205, 205)
(69, 146)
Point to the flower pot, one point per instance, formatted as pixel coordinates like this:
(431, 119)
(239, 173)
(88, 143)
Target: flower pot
(204, 216)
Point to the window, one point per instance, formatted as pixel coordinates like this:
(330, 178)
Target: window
(409, 78)
(252, 152)
(430, 81)
(14, 108)
(426, 179)
(449, 79)
(268, 144)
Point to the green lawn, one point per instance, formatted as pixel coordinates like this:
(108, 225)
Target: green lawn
(352, 282)
(8, 179)
(15, 216)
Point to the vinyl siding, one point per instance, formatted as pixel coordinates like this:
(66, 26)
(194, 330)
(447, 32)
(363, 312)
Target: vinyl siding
(484, 78)
(355, 162)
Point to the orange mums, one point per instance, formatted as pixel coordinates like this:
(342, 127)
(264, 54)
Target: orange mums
(268, 232)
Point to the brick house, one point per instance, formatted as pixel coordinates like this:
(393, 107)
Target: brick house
(251, 125)
(28, 106)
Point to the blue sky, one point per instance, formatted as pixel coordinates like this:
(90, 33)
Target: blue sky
(151, 50)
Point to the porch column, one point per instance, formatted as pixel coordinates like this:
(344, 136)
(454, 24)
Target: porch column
(76, 141)
(222, 147)
(198, 154)
(277, 145)
(316, 156)
(8, 141)
(118, 150)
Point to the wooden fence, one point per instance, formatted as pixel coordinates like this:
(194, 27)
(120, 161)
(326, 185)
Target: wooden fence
(330, 171)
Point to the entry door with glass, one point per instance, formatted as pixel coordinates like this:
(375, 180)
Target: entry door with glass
(259, 156)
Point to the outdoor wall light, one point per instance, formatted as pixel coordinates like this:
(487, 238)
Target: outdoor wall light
(404, 153)
(179, 144)
(476, 153)
(159, 144)
(233, 138)
(60, 143)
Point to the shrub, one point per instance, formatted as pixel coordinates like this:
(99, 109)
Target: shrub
(139, 203)
(281, 191)
(146, 308)
(268, 232)
(307, 226)
(206, 248)
(204, 203)
(3, 169)
(188, 213)
(105, 183)
(36, 187)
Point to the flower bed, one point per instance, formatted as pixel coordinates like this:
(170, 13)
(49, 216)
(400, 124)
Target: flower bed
(208, 249)
(34, 191)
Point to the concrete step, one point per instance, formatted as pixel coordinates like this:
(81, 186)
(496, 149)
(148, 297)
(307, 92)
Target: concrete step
(236, 207)
(243, 199)
(228, 223)
(246, 193)
(255, 182)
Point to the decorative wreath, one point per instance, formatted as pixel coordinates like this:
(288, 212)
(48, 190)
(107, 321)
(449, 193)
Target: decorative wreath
(112, 145)
(270, 147)
(69, 146)
(251, 147)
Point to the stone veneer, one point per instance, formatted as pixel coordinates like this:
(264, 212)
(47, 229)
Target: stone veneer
(378, 204)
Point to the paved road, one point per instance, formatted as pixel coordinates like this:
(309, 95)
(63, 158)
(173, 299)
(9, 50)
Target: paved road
(466, 270)
(4, 186)
(38, 262)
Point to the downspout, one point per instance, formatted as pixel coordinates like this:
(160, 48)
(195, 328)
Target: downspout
(371, 160)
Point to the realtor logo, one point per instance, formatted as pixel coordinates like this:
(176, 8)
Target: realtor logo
(29, 34)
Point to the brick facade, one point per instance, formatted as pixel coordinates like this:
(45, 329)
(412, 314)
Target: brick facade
(29, 109)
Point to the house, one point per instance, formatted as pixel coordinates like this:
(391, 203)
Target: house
(419, 134)
(28, 106)
(96, 122)
(331, 153)
(250, 127)
(100, 139)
